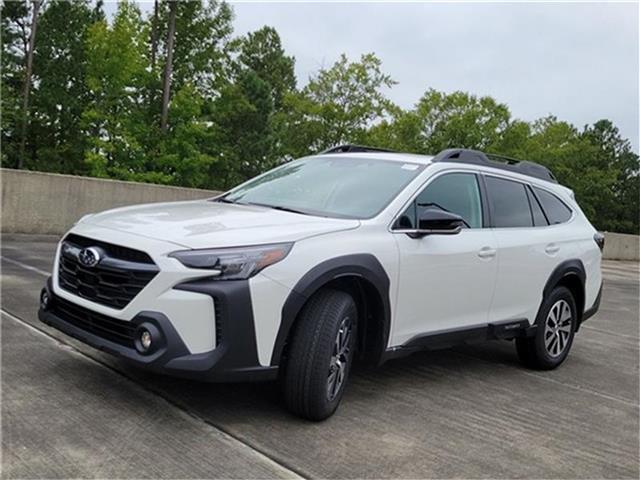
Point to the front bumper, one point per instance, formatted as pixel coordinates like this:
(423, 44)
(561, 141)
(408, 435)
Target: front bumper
(234, 358)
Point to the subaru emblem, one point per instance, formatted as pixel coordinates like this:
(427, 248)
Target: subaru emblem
(89, 257)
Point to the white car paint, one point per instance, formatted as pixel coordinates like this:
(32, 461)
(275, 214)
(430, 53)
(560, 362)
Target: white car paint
(436, 282)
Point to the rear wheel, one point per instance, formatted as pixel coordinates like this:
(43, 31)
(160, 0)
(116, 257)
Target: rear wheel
(320, 355)
(556, 322)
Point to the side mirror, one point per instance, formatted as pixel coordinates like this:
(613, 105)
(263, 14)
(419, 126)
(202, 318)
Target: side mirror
(434, 221)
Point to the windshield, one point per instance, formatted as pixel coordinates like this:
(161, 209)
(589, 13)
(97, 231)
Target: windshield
(345, 187)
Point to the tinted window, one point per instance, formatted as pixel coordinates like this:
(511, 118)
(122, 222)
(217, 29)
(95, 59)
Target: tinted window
(509, 203)
(556, 210)
(539, 220)
(454, 192)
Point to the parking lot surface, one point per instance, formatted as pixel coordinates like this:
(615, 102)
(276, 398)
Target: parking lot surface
(468, 412)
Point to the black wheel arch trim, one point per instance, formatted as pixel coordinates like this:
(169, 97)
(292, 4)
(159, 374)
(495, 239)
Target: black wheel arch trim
(573, 267)
(363, 265)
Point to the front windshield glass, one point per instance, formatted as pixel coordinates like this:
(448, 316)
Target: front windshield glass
(347, 187)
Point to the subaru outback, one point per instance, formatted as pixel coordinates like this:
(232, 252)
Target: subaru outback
(353, 254)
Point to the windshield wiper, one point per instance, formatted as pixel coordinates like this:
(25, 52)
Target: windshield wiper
(275, 207)
(223, 200)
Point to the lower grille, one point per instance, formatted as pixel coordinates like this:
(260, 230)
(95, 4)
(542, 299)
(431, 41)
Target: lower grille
(117, 331)
(217, 308)
(114, 281)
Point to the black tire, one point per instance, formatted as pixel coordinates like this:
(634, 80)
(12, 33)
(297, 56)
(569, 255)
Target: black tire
(311, 355)
(551, 344)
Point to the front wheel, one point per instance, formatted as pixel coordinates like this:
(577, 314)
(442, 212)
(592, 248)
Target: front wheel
(320, 355)
(557, 321)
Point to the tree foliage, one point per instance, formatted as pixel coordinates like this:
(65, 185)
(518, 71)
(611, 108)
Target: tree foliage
(234, 108)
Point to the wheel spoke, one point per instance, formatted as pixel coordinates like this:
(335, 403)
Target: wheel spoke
(331, 382)
(549, 339)
(566, 328)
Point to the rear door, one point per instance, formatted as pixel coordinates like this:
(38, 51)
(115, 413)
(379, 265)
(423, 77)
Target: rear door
(529, 248)
(445, 281)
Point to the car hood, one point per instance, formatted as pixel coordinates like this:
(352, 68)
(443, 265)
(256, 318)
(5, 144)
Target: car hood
(204, 223)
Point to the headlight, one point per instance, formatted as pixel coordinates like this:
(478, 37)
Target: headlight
(233, 263)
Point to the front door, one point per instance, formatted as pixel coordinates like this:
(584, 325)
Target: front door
(445, 281)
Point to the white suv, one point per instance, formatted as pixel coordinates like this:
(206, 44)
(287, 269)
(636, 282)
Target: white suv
(356, 252)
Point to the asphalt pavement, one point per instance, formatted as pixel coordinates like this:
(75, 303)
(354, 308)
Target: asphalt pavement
(468, 412)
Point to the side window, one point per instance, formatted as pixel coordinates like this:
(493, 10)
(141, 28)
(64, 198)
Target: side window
(457, 193)
(539, 219)
(556, 210)
(509, 203)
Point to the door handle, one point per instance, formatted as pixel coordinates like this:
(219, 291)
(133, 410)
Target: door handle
(487, 252)
(552, 248)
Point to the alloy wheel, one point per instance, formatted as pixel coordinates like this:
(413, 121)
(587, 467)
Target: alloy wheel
(557, 330)
(339, 359)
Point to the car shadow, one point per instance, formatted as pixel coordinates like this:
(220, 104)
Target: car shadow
(231, 403)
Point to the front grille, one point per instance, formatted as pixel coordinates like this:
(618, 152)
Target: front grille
(117, 331)
(114, 281)
(115, 251)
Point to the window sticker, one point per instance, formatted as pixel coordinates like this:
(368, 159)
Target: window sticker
(410, 166)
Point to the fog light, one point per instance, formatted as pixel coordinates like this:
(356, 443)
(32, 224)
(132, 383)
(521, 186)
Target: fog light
(45, 299)
(145, 339)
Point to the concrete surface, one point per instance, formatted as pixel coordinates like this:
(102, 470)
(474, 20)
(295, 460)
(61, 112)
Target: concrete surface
(36, 202)
(469, 412)
(620, 246)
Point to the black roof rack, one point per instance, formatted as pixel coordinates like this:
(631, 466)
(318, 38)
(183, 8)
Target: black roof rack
(475, 157)
(465, 155)
(349, 148)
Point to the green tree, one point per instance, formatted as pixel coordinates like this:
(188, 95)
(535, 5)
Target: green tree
(261, 52)
(338, 105)
(115, 120)
(61, 95)
(201, 55)
(15, 33)
(442, 120)
(243, 130)
(201, 52)
(614, 153)
(183, 156)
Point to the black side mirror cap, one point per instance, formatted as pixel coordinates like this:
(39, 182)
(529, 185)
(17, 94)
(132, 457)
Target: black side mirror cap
(434, 221)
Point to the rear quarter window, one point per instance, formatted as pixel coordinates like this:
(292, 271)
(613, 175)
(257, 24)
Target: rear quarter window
(509, 203)
(539, 218)
(555, 209)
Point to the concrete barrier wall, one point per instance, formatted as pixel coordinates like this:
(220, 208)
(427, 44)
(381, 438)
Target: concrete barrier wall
(49, 203)
(620, 246)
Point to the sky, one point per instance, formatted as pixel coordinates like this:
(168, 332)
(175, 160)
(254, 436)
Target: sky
(577, 61)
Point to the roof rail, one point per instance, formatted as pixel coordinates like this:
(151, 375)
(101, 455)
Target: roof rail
(349, 148)
(475, 157)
